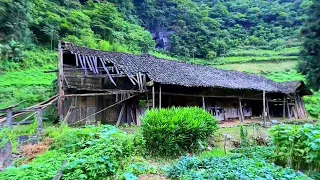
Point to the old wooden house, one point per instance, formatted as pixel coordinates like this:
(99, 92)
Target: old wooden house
(118, 88)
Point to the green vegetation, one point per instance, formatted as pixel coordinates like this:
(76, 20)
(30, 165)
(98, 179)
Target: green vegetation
(12, 135)
(297, 146)
(174, 131)
(88, 153)
(310, 53)
(229, 167)
(92, 152)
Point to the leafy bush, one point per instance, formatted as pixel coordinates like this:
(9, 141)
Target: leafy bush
(229, 167)
(297, 146)
(87, 153)
(170, 132)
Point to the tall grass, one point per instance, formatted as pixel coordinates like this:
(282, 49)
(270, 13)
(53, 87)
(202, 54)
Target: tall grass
(174, 131)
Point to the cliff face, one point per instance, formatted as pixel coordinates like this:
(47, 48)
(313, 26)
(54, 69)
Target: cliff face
(161, 37)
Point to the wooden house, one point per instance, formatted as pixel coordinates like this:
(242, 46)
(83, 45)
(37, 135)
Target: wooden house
(118, 88)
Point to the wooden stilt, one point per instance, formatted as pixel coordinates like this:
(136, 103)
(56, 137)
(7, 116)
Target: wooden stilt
(241, 111)
(203, 103)
(159, 95)
(264, 107)
(153, 98)
(284, 107)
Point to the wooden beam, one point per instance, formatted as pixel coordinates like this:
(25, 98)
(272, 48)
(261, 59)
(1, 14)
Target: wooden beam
(153, 98)
(264, 107)
(203, 103)
(138, 117)
(213, 96)
(241, 111)
(40, 122)
(60, 82)
(268, 110)
(159, 95)
(120, 114)
(108, 74)
(9, 118)
(284, 107)
(288, 110)
(102, 94)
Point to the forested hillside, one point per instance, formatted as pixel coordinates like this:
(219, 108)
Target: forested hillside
(198, 28)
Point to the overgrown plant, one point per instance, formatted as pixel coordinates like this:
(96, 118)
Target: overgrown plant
(174, 131)
(297, 146)
(229, 167)
(244, 136)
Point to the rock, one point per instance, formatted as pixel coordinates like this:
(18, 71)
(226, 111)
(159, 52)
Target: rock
(268, 124)
(228, 136)
(274, 122)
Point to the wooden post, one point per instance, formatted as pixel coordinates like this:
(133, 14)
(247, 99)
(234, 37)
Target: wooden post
(120, 114)
(288, 110)
(40, 122)
(60, 82)
(147, 96)
(159, 95)
(9, 118)
(203, 103)
(268, 110)
(284, 107)
(241, 111)
(138, 117)
(264, 107)
(153, 98)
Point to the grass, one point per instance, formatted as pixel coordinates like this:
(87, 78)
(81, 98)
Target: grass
(259, 67)
(291, 51)
(30, 86)
(243, 59)
(26, 81)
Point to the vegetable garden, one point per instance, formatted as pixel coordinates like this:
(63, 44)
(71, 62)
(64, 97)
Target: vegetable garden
(175, 143)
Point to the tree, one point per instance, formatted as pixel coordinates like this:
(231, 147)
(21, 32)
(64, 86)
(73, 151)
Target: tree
(311, 46)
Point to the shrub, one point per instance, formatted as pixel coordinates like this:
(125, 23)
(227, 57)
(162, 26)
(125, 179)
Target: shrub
(173, 131)
(85, 153)
(297, 146)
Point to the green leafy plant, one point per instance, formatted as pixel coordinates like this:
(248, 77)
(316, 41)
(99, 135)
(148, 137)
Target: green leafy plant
(173, 131)
(297, 146)
(229, 167)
